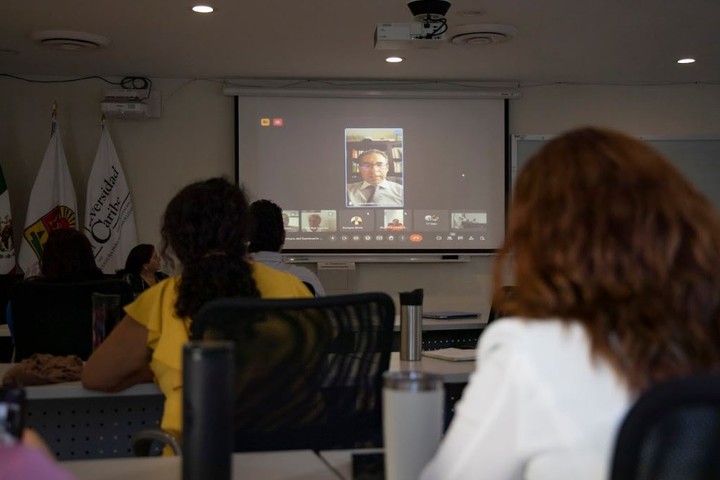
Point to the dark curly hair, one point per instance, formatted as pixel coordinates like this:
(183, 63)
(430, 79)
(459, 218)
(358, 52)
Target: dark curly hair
(138, 256)
(68, 256)
(607, 233)
(267, 231)
(205, 228)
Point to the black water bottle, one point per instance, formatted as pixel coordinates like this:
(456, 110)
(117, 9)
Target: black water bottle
(208, 373)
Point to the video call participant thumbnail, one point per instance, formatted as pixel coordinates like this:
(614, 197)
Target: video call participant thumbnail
(375, 189)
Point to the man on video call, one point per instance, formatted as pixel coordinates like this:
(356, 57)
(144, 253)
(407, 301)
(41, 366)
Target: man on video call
(375, 189)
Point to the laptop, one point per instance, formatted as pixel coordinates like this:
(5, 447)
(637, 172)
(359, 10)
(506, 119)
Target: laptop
(450, 315)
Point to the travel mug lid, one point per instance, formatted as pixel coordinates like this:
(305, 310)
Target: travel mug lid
(412, 298)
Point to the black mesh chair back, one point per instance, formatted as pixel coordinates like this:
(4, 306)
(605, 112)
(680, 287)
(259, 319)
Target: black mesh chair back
(308, 371)
(56, 318)
(672, 433)
(310, 287)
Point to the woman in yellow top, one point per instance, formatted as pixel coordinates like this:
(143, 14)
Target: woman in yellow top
(204, 228)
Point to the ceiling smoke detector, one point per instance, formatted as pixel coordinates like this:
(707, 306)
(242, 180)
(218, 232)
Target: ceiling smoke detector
(483, 34)
(69, 40)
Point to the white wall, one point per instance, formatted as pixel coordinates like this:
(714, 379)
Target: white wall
(194, 139)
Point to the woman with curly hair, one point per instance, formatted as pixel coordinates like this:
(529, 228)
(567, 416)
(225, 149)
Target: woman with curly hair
(205, 229)
(616, 261)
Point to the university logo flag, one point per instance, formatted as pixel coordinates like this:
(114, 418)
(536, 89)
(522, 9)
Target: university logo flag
(109, 217)
(52, 204)
(7, 248)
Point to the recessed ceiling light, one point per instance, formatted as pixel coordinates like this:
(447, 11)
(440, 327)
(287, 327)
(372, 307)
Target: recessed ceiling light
(686, 60)
(394, 59)
(203, 9)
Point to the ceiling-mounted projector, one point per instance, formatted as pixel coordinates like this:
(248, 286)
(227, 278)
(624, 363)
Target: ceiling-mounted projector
(426, 31)
(131, 104)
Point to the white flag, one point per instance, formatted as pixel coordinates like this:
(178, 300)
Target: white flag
(7, 247)
(52, 205)
(109, 217)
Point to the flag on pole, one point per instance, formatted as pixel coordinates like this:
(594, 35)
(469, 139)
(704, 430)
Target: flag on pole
(7, 247)
(109, 216)
(52, 205)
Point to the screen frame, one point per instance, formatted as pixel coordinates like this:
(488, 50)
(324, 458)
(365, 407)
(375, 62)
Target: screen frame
(301, 255)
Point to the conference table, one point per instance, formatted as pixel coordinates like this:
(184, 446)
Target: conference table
(85, 424)
(283, 465)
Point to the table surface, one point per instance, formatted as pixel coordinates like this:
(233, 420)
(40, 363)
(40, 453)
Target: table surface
(4, 330)
(76, 390)
(295, 465)
(341, 460)
(452, 372)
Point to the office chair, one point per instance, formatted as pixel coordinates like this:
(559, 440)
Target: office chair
(672, 432)
(56, 318)
(308, 371)
(310, 287)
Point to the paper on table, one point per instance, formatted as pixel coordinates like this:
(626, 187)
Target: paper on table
(452, 354)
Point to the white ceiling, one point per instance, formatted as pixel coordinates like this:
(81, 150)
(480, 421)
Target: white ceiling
(585, 41)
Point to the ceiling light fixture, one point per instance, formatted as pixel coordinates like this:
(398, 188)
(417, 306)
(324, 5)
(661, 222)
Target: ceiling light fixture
(686, 60)
(203, 9)
(482, 34)
(69, 40)
(394, 59)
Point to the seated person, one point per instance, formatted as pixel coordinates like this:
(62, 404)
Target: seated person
(67, 256)
(616, 270)
(395, 225)
(374, 190)
(267, 237)
(314, 222)
(204, 226)
(142, 268)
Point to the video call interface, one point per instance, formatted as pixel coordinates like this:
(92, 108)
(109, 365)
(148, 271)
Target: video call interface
(377, 175)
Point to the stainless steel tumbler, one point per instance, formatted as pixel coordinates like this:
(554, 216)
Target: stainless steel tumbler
(411, 325)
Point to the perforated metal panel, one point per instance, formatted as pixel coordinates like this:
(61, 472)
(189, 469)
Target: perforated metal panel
(453, 393)
(96, 427)
(436, 339)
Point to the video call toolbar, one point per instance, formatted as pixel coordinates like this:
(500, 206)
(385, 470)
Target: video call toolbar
(385, 225)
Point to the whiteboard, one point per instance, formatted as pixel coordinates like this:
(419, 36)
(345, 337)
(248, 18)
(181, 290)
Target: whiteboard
(697, 157)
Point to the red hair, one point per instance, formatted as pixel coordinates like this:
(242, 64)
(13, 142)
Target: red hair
(605, 232)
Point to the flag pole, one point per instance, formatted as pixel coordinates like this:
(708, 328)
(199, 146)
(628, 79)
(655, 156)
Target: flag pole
(53, 116)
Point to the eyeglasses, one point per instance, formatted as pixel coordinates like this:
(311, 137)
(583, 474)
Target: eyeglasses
(373, 165)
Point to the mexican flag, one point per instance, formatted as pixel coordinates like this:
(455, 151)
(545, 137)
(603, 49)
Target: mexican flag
(7, 247)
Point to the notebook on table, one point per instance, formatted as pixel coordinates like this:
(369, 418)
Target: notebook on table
(450, 315)
(452, 354)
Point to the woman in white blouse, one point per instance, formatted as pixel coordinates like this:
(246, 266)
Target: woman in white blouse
(616, 261)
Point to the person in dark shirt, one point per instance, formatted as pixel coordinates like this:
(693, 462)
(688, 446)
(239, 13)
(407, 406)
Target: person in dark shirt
(142, 268)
